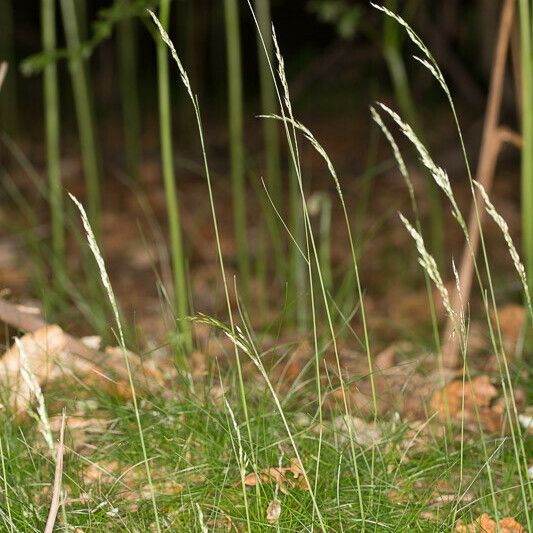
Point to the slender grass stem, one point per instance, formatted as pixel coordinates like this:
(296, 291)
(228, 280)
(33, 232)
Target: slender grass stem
(51, 111)
(196, 107)
(80, 85)
(6, 493)
(173, 213)
(235, 105)
(112, 300)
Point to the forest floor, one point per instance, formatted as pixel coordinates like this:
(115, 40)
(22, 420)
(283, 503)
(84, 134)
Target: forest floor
(433, 454)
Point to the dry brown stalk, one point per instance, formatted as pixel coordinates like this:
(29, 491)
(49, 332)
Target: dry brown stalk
(492, 139)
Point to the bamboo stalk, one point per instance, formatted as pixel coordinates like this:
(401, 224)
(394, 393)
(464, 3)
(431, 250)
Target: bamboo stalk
(82, 99)
(527, 135)
(174, 225)
(51, 110)
(235, 105)
(268, 101)
(129, 95)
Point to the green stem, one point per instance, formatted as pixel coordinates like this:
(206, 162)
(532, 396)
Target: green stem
(268, 102)
(298, 274)
(174, 225)
(235, 104)
(51, 109)
(270, 128)
(527, 136)
(80, 85)
(129, 95)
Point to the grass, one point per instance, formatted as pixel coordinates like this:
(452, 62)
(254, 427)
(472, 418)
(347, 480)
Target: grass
(190, 440)
(180, 457)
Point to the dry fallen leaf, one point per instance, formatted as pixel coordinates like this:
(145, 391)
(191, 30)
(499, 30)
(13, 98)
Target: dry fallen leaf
(42, 348)
(364, 433)
(273, 511)
(286, 477)
(478, 393)
(485, 524)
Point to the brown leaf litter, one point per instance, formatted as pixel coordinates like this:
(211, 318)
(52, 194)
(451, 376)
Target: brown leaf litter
(485, 524)
(50, 357)
(479, 395)
(286, 477)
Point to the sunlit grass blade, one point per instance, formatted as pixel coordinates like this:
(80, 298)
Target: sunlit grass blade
(112, 300)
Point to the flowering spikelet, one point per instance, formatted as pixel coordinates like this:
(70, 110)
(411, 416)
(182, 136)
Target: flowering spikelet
(430, 62)
(430, 266)
(439, 174)
(491, 210)
(316, 145)
(395, 150)
(31, 381)
(281, 72)
(170, 44)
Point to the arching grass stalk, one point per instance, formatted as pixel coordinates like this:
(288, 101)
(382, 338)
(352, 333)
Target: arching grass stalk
(429, 265)
(51, 112)
(235, 105)
(392, 42)
(129, 94)
(442, 180)
(496, 336)
(112, 300)
(196, 107)
(288, 119)
(82, 99)
(173, 214)
(414, 207)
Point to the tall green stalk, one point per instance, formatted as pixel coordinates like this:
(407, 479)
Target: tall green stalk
(235, 104)
(51, 110)
(82, 100)
(8, 95)
(527, 135)
(268, 102)
(174, 225)
(297, 264)
(129, 95)
(270, 128)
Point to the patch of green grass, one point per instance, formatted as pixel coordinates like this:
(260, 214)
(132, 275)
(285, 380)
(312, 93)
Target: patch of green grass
(191, 444)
